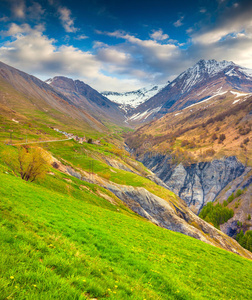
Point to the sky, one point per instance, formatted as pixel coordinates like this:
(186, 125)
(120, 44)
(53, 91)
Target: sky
(116, 45)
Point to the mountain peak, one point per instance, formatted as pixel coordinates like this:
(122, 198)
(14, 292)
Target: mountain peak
(211, 66)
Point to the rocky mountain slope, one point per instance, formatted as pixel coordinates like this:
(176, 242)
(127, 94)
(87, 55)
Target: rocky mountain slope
(199, 150)
(153, 202)
(128, 101)
(26, 94)
(198, 183)
(237, 196)
(104, 164)
(85, 97)
(204, 80)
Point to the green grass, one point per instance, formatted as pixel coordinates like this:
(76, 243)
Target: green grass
(59, 241)
(81, 155)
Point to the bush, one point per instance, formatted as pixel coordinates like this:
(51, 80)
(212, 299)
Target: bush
(28, 163)
(239, 224)
(214, 137)
(209, 152)
(230, 198)
(245, 141)
(238, 193)
(249, 217)
(222, 137)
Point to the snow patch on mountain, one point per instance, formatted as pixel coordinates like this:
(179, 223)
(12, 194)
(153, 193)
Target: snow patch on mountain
(132, 99)
(246, 71)
(197, 73)
(210, 97)
(49, 81)
(145, 114)
(239, 94)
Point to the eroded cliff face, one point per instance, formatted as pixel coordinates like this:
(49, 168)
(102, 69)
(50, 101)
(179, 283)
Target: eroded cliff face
(198, 183)
(168, 212)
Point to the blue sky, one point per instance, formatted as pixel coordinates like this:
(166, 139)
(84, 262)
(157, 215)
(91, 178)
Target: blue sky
(122, 45)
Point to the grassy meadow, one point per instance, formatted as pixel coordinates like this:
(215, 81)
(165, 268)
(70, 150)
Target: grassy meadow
(60, 239)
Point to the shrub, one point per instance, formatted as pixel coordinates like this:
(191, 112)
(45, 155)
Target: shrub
(184, 143)
(245, 141)
(239, 224)
(214, 137)
(209, 152)
(222, 137)
(238, 193)
(29, 163)
(230, 198)
(249, 217)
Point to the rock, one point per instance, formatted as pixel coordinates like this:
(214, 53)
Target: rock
(198, 183)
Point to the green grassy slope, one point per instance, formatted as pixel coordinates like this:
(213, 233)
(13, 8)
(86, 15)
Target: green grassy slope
(60, 240)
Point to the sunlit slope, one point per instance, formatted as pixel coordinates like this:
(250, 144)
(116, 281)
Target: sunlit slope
(219, 126)
(62, 240)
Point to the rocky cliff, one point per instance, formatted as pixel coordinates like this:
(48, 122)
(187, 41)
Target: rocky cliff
(240, 202)
(168, 212)
(198, 183)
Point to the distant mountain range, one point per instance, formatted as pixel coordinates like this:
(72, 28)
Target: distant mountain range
(128, 101)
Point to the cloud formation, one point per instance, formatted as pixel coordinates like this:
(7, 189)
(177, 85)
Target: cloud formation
(158, 35)
(120, 60)
(179, 23)
(66, 20)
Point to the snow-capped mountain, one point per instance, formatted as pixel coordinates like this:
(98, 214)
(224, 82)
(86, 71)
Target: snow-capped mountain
(205, 79)
(132, 99)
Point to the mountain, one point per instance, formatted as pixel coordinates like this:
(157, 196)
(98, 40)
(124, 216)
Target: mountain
(25, 94)
(99, 224)
(130, 100)
(191, 150)
(205, 79)
(85, 97)
(32, 109)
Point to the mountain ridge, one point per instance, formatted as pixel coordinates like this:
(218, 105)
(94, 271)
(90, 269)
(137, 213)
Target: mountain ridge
(201, 81)
(84, 96)
(128, 101)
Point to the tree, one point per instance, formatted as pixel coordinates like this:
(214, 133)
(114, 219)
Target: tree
(28, 163)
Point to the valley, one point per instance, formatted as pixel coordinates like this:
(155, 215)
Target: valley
(117, 214)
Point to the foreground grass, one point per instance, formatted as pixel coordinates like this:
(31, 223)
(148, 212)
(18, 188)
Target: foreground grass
(76, 245)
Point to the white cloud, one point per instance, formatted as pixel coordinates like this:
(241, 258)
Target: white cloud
(35, 11)
(35, 53)
(179, 23)
(18, 8)
(66, 20)
(158, 35)
(81, 37)
(234, 20)
(4, 19)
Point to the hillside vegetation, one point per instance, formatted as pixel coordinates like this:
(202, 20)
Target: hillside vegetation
(61, 240)
(221, 127)
(72, 232)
